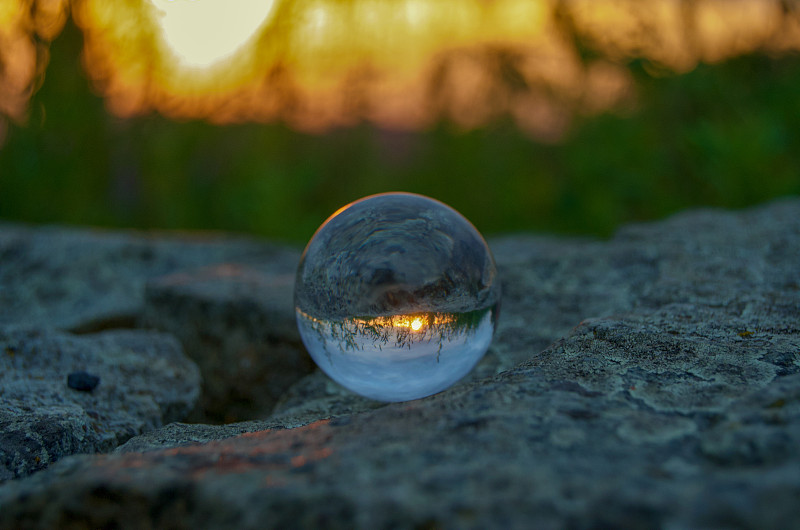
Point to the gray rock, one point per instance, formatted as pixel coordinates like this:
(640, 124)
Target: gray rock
(314, 397)
(86, 280)
(227, 298)
(238, 324)
(144, 382)
(746, 262)
(648, 381)
(187, 434)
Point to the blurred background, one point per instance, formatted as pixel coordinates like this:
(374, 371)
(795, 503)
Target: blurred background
(265, 116)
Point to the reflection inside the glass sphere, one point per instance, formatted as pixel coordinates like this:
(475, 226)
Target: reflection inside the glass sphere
(398, 357)
(360, 334)
(403, 331)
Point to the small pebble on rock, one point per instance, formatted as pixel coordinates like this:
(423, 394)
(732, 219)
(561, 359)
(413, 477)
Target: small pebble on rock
(83, 381)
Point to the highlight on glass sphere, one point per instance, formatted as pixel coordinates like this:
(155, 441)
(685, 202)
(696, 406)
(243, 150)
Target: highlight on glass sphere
(396, 296)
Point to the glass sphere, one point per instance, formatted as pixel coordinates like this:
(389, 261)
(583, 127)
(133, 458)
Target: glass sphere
(396, 296)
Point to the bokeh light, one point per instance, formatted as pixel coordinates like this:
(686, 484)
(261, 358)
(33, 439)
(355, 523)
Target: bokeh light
(551, 115)
(396, 63)
(25, 27)
(203, 34)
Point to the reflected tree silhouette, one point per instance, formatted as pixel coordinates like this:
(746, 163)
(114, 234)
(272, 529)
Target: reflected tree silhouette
(359, 333)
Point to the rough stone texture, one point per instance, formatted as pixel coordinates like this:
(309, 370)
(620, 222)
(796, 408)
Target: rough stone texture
(670, 398)
(318, 396)
(238, 324)
(228, 300)
(85, 280)
(145, 381)
(744, 264)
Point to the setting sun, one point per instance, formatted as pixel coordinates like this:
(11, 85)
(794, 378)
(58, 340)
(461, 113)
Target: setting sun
(202, 33)
(416, 324)
(401, 64)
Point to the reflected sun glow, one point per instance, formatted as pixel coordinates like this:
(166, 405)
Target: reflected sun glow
(413, 322)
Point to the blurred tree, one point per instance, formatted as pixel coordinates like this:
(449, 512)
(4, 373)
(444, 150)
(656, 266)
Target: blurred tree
(719, 135)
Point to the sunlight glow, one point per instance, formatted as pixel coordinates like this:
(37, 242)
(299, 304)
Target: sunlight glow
(415, 322)
(201, 33)
(22, 61)
(402, 64)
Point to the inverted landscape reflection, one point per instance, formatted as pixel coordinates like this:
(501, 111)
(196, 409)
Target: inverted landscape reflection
(386, 358)
(396, 296)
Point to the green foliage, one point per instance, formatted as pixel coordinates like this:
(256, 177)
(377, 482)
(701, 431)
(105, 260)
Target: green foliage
(723, 135)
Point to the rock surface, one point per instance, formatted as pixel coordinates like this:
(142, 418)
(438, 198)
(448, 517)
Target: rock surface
(144, 382)
(228, 299)
(652, 380)
(55, 280)
(237, 323)
(83, 280)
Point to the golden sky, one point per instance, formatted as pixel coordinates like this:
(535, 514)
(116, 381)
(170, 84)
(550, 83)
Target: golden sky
(397, 63)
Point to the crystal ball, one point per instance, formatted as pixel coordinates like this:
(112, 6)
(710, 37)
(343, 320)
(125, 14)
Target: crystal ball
(396, 296)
